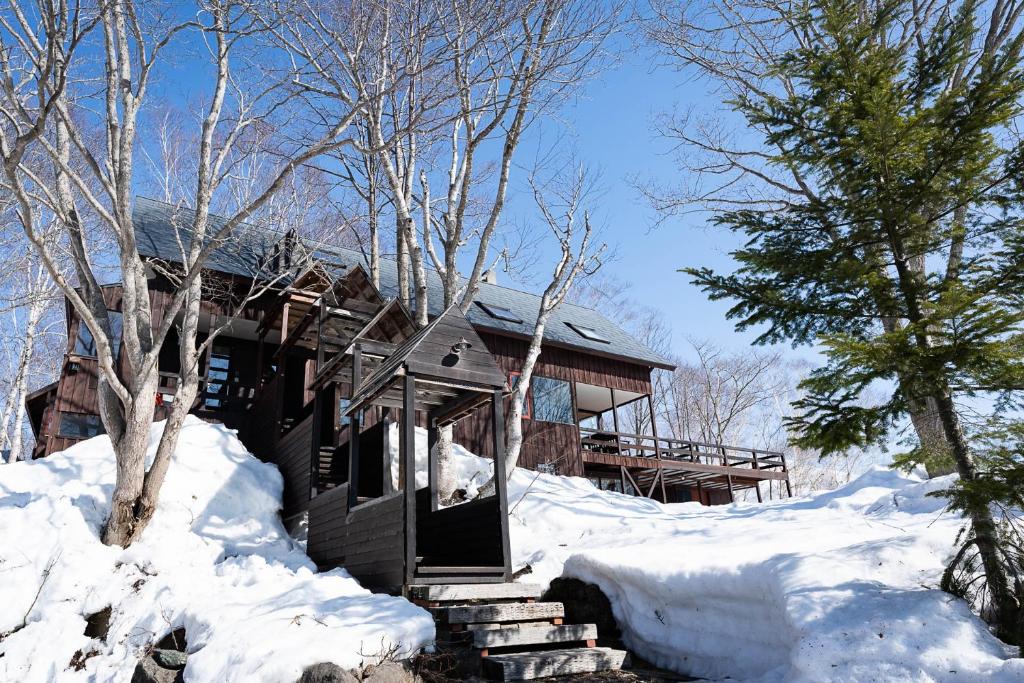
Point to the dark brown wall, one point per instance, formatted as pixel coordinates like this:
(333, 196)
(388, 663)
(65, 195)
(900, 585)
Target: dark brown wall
(293, 459)
(369, 541)
(549, 442)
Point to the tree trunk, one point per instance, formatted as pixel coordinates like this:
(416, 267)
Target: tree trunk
(130, 448)
(1007, 611)
(447, 482)
(924, 416)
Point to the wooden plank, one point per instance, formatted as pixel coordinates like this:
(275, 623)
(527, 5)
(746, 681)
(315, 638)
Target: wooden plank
(407, 455)
(459, 592)
(534, 635)
(523, 666)
(511, 611)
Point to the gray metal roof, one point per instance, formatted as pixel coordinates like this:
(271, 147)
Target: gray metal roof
(242, 253)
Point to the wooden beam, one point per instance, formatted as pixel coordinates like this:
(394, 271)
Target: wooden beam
(500, 476)
(407, 450)
(354, 429)
(453, 410)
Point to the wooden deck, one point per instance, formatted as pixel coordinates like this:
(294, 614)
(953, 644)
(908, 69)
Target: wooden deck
(651, 463)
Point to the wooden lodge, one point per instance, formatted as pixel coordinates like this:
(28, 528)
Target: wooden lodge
(323, 370)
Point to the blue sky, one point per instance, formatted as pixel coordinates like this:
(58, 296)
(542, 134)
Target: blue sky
(613, 131)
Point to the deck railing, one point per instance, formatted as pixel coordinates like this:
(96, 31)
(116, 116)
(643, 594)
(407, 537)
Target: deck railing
(648, 446)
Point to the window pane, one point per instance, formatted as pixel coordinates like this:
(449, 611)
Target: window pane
(116, 329)
(85, 345)
(78, 426)
(499, 312)
(552, 400)
(588, 333)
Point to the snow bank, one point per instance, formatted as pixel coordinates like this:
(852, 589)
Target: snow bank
(839, 586)
(215, 560)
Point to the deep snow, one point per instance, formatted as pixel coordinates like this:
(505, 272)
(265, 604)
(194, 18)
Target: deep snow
(838, 586)
(215, 559)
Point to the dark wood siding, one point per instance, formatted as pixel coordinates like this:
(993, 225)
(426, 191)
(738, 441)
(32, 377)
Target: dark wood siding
(549, 443)
(464, 535)
(369, 541)
(292, 458)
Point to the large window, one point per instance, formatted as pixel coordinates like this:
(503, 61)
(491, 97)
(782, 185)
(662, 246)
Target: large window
(552, 400)
(85, 344)
(79, 426)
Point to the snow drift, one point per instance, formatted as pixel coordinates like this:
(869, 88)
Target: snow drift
(839, 586)
(215, 560)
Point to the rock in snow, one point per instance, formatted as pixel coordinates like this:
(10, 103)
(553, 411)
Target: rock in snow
(838, 586)
(215, 560)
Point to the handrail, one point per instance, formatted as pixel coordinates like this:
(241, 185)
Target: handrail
(649, 446)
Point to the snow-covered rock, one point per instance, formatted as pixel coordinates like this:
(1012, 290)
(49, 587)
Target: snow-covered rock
(215, 560)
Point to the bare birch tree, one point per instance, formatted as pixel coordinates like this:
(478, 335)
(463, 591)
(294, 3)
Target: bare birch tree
(82, 114)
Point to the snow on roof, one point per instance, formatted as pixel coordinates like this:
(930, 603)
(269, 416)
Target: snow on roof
(157, 238)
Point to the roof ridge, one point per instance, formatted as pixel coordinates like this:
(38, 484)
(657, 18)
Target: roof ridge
(314, 242)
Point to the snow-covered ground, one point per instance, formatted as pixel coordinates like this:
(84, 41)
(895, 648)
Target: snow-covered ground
(839, 586)
(215, 560)
(834, 587)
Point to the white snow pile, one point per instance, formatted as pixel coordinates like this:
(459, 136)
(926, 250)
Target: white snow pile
(215, 560)
(839, 586)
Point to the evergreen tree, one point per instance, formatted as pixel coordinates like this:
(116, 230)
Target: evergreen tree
(908, 266)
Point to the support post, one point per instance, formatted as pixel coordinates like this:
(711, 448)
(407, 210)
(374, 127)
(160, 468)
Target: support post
(789, 490)
(700, 493)
(317, 436)
(757, 484)
(259, 353)
(354, 427)
(615, 423)
(654, 430)
(315, 439)
(501, 477)
(407, 453)
(728, 477)
(622, 478)
(432, 464)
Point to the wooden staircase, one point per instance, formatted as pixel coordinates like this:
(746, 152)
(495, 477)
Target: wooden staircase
(515, 637)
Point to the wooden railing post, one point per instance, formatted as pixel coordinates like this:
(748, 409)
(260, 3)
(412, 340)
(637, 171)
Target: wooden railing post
(615, 424)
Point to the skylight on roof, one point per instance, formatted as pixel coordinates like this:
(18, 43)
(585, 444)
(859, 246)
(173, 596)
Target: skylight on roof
(499, 312)
(589, 333)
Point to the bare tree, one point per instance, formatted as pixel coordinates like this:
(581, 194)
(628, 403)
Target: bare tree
(82, 115)
(560, 201)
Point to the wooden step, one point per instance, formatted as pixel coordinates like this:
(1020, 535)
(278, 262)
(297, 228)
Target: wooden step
(465, 592)
(534, 635)
(524, 666)
(510, 611)
(459, 570)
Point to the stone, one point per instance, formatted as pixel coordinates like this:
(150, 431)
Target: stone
(170, 659)
(388, 672)
(584, 603)
(97, 624)
(148, 671)
(326, 672)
